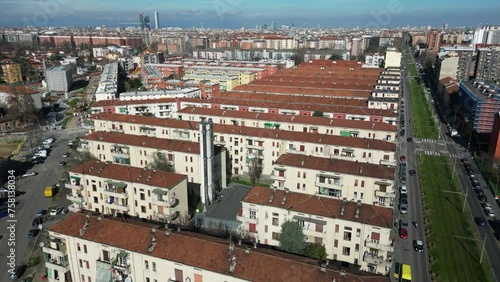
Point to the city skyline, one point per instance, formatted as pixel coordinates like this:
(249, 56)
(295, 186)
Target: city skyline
(238, 13)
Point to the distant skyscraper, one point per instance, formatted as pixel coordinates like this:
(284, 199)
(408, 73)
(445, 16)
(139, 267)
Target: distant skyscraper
(141, 20)
(147, 22)
(445, 26)
(157, 21)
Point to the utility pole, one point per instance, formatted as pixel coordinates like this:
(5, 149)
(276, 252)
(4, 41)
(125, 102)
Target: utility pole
(455, 192)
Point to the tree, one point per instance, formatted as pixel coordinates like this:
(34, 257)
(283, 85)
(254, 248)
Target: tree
(336, 57)
(318, 114)
(292, 238)
(255, 171)
(316, 251)
(160, 162)
(23, 107)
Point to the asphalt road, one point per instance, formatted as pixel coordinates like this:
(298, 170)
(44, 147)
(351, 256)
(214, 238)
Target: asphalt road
(32, 200)
(403, 250)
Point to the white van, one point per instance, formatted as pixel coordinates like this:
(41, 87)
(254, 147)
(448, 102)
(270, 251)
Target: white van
(41, 153)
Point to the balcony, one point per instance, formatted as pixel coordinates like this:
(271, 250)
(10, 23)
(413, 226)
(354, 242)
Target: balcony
(56, 252)
(168, 204)
(376, 260)
(55, 264)
(244, 218)
(78, 198)
(115, 193)
(381, 194)
(255, 145)
(388, 162)
(74, 208)
(120, 151)
(78, 187)
(119, 130)
(116, 206)
(375, 244)
(330, 183)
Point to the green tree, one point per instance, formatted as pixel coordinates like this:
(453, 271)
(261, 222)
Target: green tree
(160, 162)
(316, 251)
(292, 237)
(336, 57)
(255, 170)
(318, 114)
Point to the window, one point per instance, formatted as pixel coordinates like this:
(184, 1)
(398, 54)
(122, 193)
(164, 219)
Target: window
(356, 248)
(252, 228)
(303, 175)
(347, 236)
(302, 148)
(81, 263)
(143, 196)
(143, 209)
(276, 236)
(298, 173)
(265, 229)
(336, 243)
(87, 264)
(85, 249)
(337, 227)
(147, 279)
(281, 173)
(146, 264)
(78, 248)
(153, 264)
(276, 221)
(253, 214)
(346, 251)
(362, 183)
(358, 232)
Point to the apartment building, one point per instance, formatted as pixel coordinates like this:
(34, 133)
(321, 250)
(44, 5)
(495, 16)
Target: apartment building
(108, 84)
(162, 108)
(387, 90)
(244, 142)
(112, 189)
(341, 179)
(161, 94)
(488, 65)
(85, 246)
(351, 232)
(315, 125)
(138, 150)
(12, 73)
(392, 58)
(60, 78)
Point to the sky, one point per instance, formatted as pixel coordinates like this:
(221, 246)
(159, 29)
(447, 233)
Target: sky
(249, 13)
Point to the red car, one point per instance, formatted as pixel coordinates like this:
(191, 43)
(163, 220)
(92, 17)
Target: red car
(402, 158)
(403, 233)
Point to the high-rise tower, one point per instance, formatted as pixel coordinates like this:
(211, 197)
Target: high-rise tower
(157, 20)
(141, 20)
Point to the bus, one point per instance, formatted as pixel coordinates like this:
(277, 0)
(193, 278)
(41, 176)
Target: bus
(405, 273)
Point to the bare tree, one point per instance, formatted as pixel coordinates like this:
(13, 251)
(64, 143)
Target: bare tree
(160, 162)
(22, 107)
(255, 171)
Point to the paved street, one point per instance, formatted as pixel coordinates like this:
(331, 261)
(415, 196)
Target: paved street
(454, 148)
(33, 199)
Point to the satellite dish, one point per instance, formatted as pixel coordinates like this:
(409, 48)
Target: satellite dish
(128, 279)
(41, 244)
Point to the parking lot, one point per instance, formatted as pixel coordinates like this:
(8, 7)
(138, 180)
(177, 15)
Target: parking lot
(31, 198)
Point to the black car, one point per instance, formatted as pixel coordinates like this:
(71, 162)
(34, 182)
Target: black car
(38, 161)
(37, 221)
(418, 246)
(402, 132)
(62, 163)
(480, 221)
(409, 140)
(18, 272)
(482, 198)
(33, 233)
(478, 191)
(412, 172)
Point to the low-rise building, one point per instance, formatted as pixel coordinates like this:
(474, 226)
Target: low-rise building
(335, 178)
(351, 232)
(113, 189)
(84, 246)
(139, 151)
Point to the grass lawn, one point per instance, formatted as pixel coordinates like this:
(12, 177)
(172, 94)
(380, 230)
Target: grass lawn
(246, 181)
(74, 103)
(423, 123)
(66, 121)
(451, 258)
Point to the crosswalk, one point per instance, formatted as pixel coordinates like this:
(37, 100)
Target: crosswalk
(433, 141)
(440, 153)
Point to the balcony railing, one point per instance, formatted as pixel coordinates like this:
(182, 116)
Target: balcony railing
(73, 186)
(377, 260)
(115, 193)
(61, 252)
(381, 194)
(74, 208)
(169, 203)
(388, 162)
(75, 198)
(120, 152)
(328, 184)
(119, 130)
(375, 244)
(62, 267)
(275, 176)
(117, 206)
(245, 218)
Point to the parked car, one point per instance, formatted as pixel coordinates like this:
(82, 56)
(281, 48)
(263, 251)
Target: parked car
(418, 245)
(487, 206)
(403, 233)
(409, 140)
(65, 155)
(402, 132)
(478, 191)
(402, 158)
(55, 211)
(402, 179)
(33, 233)
(412, 172)
(482, 198)
(37, 221)
(62, 163)
(29, 173)
(489, 212)
(480, 221)
(40, 212)
(403, 190)
(403, 223)
(18, 272)
(39, 160)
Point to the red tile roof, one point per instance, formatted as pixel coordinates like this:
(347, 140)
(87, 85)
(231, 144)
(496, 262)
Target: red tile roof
(294, 90)
(143, 141)
(277, 134)
(204, 252)
(336, 165)
(320, 206)
(298, 119)
(130, 174)
(108, 103)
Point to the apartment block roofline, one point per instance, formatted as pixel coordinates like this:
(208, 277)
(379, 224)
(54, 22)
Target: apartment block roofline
(336, 165)
(161, 179)
(321, 206)
(204, 252)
